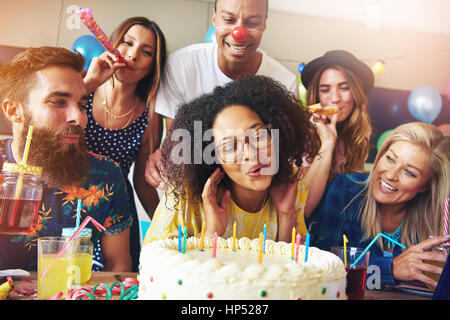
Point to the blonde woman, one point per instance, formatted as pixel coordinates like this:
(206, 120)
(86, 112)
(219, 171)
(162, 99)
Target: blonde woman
(403, 197)
(338, 79)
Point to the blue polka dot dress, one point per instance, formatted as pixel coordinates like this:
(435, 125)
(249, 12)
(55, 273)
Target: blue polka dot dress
(123, 146)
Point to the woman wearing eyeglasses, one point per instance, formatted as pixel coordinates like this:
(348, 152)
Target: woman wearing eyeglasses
(231, 157)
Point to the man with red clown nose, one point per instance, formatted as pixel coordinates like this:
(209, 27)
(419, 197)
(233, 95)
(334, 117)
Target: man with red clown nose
(199, 68)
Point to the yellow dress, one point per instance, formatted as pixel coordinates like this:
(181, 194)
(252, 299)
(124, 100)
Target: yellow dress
(169, 215)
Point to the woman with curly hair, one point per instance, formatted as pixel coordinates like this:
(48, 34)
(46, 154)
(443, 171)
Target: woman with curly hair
(237, 162)
(338, 79)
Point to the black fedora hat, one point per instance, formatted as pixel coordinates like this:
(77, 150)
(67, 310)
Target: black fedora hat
(339, 58)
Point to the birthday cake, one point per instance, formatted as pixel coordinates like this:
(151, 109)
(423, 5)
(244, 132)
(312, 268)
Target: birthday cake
(167, 273)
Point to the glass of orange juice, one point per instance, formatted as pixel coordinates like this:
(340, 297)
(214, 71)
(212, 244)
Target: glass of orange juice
(84, 253)
(56, 274)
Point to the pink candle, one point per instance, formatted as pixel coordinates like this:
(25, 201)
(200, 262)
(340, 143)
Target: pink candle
(297, 246)
(214, 245)
(445, 230)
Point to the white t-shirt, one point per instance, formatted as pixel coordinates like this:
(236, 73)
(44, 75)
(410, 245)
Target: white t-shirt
(193, 71)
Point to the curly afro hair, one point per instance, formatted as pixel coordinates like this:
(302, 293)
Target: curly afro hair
(273, 103)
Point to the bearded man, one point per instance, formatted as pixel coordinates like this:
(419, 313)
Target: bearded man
(43, 87)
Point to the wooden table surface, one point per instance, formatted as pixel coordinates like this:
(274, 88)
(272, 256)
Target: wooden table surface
(111, 277)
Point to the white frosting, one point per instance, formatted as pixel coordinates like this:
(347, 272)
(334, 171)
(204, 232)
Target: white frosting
(166, 273)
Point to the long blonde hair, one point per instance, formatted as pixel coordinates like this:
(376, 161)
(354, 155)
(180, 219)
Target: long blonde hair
(424, 213)
(355, 131)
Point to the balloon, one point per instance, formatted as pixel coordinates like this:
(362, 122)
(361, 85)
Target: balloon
(301, 66)
(378, 67)
(425, 104)
(89, 47)
(381, 138)
(301, 91)
(239, 33)
(211, 34)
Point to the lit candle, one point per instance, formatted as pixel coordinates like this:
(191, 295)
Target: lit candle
(184, 239)
(261, 241)
(264, 240)
(293, 243)
(234, 236)
(202, 235)
(307, 246)
(179, 238)
(214, 245)
(299, 237)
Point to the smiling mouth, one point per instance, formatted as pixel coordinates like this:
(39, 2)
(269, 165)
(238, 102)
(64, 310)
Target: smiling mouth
(237, 48)
(385, 186)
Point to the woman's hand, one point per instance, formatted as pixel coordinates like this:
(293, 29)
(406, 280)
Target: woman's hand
(101, 69)
(216, 215)
(154, 170)
(284, 197)
(326, 128)
(410, 264)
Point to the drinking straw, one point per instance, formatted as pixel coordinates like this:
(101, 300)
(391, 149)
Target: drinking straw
(293, 243)
(179, 238)
(88, 20)
(370, 244)
(202, 236)
(345, 250)
(12, 219)
(77, 223)
(261, 244)
(297, 247)
(264, 238)
(307, 246)
(214, 245)
(445, 229)
(73, 237)
(184, 239)
(234, 237)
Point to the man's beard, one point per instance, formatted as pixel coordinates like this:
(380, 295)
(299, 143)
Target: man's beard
(62, 163)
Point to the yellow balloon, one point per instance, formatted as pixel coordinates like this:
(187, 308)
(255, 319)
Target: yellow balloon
(378, 67)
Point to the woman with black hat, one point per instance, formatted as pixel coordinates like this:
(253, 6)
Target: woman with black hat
(337, 79)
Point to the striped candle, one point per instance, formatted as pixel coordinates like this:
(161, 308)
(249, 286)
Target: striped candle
(445, 229)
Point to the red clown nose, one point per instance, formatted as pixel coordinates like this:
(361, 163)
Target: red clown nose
(239, 33)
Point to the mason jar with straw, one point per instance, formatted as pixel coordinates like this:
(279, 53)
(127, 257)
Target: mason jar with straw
(20, 195)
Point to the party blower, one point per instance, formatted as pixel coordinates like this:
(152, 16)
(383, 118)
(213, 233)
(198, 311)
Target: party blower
(89, 21)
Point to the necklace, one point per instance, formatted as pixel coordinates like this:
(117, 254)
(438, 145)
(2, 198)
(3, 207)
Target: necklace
(396, 235)
(259, 218)
(108, 111)
(112, 115)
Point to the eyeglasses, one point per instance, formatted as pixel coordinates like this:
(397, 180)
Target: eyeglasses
(231, 148)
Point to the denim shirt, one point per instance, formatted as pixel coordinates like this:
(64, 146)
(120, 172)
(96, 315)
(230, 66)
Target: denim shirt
(329, 222)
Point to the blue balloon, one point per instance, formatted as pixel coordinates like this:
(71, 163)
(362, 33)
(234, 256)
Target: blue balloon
(89, 47)
(301, 66)
(425, 104)
(211, 34)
